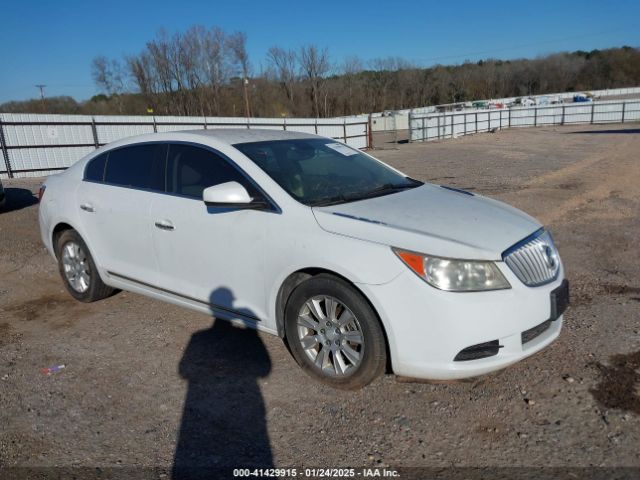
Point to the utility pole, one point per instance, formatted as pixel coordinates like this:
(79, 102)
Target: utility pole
(41, 87)
(246, 97)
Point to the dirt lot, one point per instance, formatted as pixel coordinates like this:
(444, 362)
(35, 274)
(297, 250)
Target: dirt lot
(146, 382)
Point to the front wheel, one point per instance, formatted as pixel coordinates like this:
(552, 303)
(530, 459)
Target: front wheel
(78, 270)
(334, 334)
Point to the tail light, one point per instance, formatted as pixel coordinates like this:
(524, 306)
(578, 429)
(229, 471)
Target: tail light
(41, 192)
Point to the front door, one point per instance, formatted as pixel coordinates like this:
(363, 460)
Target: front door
(212, 255)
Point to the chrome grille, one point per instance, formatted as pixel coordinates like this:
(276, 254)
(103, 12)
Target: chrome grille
(534, 260)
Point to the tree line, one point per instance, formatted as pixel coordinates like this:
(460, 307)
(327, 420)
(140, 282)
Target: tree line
(207, 71)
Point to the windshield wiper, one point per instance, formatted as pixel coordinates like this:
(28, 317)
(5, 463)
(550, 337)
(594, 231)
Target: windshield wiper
(376, 192)
(381, 190)
(324, 202)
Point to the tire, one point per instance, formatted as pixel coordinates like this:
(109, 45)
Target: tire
(75, 262)
(334, 334)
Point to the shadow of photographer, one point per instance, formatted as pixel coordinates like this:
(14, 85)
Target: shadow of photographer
(224, 420)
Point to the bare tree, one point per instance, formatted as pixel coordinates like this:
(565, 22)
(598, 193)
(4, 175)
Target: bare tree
(215, 65)
(237, 44)
(142, 72)
(315, 65)
(285, 63)
(160, 59)
(110, 76)
(197, 71)
(351, 68)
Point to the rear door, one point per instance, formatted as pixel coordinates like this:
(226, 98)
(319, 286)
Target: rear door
(116, 210)
(209, 254)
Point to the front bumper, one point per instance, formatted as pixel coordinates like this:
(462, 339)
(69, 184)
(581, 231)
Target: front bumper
(427, 328)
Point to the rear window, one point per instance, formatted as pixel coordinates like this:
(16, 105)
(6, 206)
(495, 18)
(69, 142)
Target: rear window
(138, 166)
(94, 171)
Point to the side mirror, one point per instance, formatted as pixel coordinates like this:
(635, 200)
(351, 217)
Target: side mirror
(230, 195)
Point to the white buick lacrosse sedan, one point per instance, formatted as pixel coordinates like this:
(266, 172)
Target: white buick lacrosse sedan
(355, 265)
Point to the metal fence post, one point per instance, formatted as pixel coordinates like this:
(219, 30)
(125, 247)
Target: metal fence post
(509, 119)
(593, 106)
(94, 130)
(476, 123)
(438, 127)
(465, 124)
(452, 126)
(489, 120)
(623, 108)
(535, 116)
(316, 125)
(425, 137)
(155, 126)
(5, 153)
(370, 131)
(344, 130)
(562, 120)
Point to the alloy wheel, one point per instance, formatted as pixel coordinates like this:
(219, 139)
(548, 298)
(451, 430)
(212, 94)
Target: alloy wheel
(330, 335)
(76, 266)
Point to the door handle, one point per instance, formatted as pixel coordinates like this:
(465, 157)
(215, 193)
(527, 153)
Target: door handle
(87, 207)
(165, 225)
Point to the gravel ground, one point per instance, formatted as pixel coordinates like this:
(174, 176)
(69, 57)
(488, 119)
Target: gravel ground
(146, 383)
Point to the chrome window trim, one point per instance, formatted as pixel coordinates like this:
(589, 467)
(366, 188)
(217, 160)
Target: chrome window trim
(273, 206)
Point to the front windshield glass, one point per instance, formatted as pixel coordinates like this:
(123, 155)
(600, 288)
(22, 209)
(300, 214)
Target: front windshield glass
(323, 172)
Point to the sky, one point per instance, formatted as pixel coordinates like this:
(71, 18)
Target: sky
(53, 43)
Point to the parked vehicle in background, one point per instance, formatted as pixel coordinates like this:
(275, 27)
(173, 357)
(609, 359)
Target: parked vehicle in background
(479, 104)
(582, 97)
(524, 102)
(3, 197)
(350, 261)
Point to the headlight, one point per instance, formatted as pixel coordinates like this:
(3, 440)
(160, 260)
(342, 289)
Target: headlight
(455, 275)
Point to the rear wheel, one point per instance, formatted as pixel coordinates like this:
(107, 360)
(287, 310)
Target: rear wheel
(78, 270)
(334, 334)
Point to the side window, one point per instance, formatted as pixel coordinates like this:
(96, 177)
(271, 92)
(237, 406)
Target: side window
(192, 169)
(94, 171)
(138, 166)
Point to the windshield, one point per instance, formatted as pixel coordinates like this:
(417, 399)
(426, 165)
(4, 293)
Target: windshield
(323, 172)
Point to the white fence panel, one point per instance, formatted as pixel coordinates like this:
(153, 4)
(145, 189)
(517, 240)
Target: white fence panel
(267, 123)
(426, 127)
(111, 133)
(632, 111)
(580, 113)
(42, 144)
(599, 94)
(301, 125)
(161, 128)
(111, 128)
(36, 162)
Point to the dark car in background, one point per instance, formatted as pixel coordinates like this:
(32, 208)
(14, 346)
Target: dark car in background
(3, 199)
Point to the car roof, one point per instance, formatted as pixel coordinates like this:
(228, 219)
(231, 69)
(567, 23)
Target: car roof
(233, 136)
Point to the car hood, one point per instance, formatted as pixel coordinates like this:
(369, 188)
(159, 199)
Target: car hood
(432, 219)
